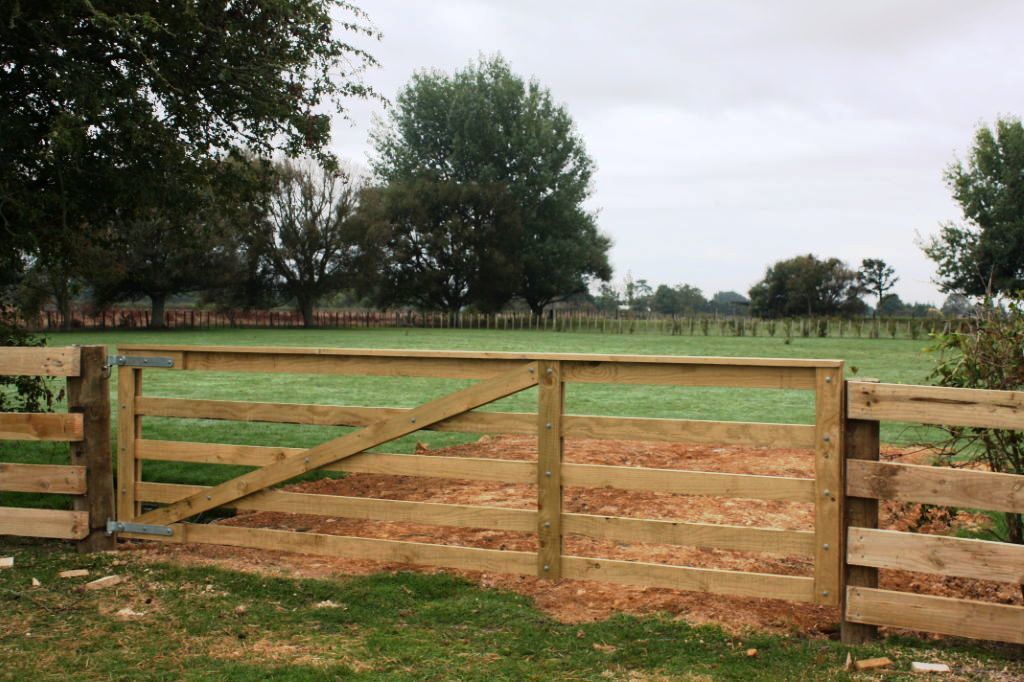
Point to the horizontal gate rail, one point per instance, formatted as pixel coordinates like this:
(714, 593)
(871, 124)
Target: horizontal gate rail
(549, 522)
(869, 549)
(86, 428)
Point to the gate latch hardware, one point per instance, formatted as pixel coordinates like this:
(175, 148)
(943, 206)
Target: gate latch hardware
(141, 528)
(138, 361)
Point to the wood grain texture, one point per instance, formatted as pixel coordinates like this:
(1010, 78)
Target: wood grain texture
(42, 478)
(459, 515)
(684, 482)
(936, 485)
(614, 371)
(958, 617)
(89, 395)
(690, 431)
(40, 427)
(481, 393)
(327, 415)
(389, 551)
(467, 468)
(129, 430)
(150, 349)
(936, 405)
(966, 558)
(44, 523)
(737, 583)
(550, 406)
(862, 442)
(828, 485)
(717, 536)
(44, 362)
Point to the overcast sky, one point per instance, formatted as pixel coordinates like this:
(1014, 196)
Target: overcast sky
(728, 135)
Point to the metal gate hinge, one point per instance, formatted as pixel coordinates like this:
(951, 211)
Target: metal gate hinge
(138, 361)
(141, 528)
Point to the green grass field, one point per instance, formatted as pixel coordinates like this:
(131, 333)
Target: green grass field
(406, 626)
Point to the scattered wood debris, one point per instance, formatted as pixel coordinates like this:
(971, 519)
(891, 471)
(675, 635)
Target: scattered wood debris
(919, 667)
(872, 663)
(129, 612)
(74, 573)
(751, 653)
(6, 562)
(605, 648)
(328, 604)
(240, 610)
(104, 582)
(849, 662)
(36, 583)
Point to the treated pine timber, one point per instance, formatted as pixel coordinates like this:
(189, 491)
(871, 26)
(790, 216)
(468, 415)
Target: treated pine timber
(684, 482)
(459, 515)
(690, 431)
(711, 535)
(828, 485)
(44, 523)
(936, 485)
(958, 617)
(466, 468)
(42, 478)
(89, 396)
(327, 415)
(44, 362)
(737, 583)
(40, 427)
(350, 444)
(962, 557)
(937, 405)
(390, 551)
(592, 368)
(550, 404)
(862, 442)
(129, 430)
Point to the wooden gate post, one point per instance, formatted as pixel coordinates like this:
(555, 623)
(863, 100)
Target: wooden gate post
(551, 397)
(862, 442)
(829, 389)
(89, 394)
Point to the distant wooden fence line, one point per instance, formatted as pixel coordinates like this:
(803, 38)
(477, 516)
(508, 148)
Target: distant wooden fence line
(555, 320)
(85, 427)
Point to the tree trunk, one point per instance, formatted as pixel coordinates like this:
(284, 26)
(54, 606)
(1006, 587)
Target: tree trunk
(306, 308)
(536, 308)
(62, 299)
(158, 310)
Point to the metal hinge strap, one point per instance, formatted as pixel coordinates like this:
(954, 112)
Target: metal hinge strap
(141, 528)
(138, 361)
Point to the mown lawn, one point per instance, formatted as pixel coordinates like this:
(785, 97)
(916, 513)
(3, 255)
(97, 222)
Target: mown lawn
(197, 623)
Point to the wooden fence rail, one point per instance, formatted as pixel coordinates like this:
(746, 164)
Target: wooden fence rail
(497, 375)
(869, 549)
(86, 427)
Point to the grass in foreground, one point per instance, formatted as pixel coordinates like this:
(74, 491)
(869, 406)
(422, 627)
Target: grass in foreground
(209, 624)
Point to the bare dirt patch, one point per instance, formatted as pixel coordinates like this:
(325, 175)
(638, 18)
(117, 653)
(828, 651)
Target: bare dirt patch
(580, 601)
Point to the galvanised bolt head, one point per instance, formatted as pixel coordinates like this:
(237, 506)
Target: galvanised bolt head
(826, 438)
(548, 425)
(532, 370)
(546, 567)
(307, 460)
(825, 546)
(548, 474)
(209, 497)
(549, 371)
(824, 593)
(828, 380)
(547, 524)
(413, 420)
(826, 493)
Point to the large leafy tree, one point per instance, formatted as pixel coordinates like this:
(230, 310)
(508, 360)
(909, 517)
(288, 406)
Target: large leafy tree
(486, 127)
(806, 285)
(984, 254)
(683, 299)
(101, 100)
(877, 277)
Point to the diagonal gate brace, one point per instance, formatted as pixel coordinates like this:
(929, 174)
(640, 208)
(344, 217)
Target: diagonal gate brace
(375, 434)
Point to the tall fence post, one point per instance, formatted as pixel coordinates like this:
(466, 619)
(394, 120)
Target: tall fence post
(551, 397)
(89, 394)
(829, 390)
(862, 442)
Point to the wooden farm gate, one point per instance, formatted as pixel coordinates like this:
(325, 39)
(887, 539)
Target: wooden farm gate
(86, 427)
(496, 376)
(868, 549)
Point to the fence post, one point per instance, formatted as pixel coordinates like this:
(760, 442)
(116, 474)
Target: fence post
(129, 387)
(828, 484)
(862, 442)
(89, 394)
(551, 396)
